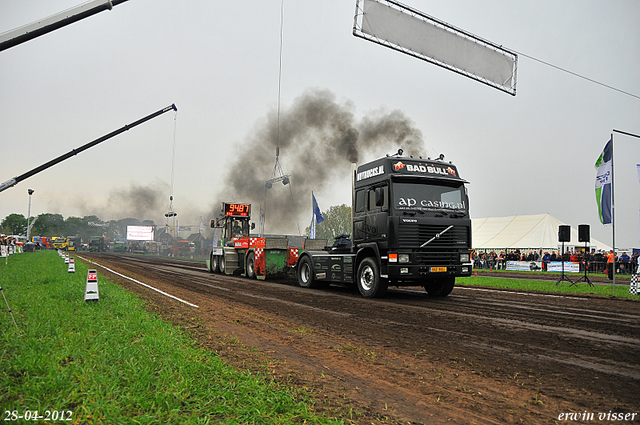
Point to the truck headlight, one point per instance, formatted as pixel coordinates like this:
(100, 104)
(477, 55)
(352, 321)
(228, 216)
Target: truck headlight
(464, 258)
(403, 258)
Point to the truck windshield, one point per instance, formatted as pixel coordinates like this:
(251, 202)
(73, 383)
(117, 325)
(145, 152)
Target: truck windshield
(431, 197)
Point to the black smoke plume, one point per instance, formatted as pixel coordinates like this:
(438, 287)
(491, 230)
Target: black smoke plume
(318, 138)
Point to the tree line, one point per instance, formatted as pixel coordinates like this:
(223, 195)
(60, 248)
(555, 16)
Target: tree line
(337, 221)
(49, 225)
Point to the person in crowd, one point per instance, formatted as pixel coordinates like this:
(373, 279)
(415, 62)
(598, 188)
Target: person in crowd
(610, 264)
(545, 260)
(573, 257)
(634, 262)
(623, 263)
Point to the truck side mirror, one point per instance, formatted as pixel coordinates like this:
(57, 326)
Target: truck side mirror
(253, 226)
(213, 223)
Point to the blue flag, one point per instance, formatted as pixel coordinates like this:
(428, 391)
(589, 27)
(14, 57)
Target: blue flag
(316, 210)
(317, 217)
(603, 183)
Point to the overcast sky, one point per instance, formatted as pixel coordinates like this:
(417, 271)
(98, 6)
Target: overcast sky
(218, 62)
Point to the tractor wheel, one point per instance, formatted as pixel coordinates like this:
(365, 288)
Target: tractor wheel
(221, 264)
(250, 269)
(214, 264)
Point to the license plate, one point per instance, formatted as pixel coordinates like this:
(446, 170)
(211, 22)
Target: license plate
(437, 269)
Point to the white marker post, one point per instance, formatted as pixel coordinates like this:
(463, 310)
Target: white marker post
(72, 265)
(66, 259)
(91, 291)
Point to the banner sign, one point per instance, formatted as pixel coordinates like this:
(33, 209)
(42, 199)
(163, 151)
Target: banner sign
(524, 265)
(556, 266)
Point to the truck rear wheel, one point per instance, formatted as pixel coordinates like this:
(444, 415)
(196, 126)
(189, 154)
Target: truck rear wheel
(250, 269)
(440, 287)
(370, 284)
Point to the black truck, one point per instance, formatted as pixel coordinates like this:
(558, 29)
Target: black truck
(411, 227)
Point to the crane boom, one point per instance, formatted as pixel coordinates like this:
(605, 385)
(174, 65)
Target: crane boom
(12, 182)
(43, 26)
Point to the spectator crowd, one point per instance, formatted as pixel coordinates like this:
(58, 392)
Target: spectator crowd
(594, 261)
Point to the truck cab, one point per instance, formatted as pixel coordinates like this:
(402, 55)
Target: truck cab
(411, 227)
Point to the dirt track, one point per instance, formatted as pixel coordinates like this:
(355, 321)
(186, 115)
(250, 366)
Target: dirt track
(475, 357)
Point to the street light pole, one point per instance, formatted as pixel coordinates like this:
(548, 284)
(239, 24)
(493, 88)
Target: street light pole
(29, 214)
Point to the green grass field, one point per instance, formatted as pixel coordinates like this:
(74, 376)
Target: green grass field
(524, 284)
(112, 362)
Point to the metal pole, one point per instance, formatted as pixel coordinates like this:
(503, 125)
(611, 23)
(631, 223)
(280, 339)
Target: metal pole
(613, 217)
(613, 214)
(9, 308)
(54, 22)
(29, 216)
(18, 179)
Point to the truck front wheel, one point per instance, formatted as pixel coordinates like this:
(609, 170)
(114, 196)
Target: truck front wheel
(370, 284)
(440, 287)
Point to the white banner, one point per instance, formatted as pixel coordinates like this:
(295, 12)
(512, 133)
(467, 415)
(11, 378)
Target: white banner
(140, 233)
(556, 266)
(412, 32)
(524, 265)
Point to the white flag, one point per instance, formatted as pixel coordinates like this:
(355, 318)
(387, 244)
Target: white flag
(261, 225)
(603, 184)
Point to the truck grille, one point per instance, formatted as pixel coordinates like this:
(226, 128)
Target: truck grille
(414, 235)
(437, 258)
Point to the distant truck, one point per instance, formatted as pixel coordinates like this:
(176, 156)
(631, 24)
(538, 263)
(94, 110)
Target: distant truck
(96, 244)
(39, 242)
(411, 227)
(74, 243)
(120, 245)
(235, 252)
(185, 248)
(59, 242)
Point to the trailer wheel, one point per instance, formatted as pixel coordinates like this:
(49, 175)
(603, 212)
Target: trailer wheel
(305, 273)
(251, 266)
(440, 287)
(370, 284)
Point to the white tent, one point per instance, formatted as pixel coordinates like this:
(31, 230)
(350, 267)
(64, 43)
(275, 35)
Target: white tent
(523, 232)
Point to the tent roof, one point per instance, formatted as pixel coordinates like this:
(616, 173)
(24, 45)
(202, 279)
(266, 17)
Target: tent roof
(522, 231)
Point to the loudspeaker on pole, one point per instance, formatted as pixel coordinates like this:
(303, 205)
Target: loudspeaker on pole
(564, 233)
(583, 233)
